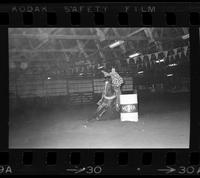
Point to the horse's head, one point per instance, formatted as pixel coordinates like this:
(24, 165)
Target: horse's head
(108, 79)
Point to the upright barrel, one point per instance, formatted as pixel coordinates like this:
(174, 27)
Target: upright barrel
(129, 107)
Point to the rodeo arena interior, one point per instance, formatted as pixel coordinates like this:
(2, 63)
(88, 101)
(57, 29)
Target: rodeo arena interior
(99, 88)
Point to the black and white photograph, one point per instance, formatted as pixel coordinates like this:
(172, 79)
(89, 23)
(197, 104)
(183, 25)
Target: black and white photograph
(99, 88)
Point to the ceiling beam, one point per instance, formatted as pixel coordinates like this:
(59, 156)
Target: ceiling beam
(73, 37)
(149, 35)
(106, 30)
(99, 49)
(80, 45)
(65, 54)
(122, 45)
(97, 43)
(148, 32)
(135, 32)
(74, 50)
(185, 31)
(127, 38)
(84, 37)
(47, 39)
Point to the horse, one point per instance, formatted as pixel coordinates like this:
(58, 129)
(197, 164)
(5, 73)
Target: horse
(107, 104)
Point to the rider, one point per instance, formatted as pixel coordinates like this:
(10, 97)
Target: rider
(108, 98)
(117, 81)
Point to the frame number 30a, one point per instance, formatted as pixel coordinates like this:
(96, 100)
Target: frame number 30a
(189, 170)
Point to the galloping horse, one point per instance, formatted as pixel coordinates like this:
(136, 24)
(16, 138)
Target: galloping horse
(107, 104)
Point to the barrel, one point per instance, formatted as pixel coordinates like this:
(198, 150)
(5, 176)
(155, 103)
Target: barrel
(129, 107)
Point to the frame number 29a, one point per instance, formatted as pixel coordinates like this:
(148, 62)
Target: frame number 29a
(5, 169)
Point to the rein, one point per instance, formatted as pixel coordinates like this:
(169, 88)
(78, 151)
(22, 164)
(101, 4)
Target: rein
(109, 97)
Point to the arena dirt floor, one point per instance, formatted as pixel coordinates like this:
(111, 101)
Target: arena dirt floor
(164, 122)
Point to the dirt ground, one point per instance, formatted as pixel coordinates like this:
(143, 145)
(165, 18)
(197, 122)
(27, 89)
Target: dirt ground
(164, 122)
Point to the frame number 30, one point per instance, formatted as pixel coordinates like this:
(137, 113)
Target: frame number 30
(94, 170)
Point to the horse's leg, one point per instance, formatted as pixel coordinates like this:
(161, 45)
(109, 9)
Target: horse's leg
(97, 114)
(101, 114)
(117, 102)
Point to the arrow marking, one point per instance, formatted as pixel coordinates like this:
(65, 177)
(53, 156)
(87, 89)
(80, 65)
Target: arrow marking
(72, 170)
(76, 170)
(167, 170)
(80, 170)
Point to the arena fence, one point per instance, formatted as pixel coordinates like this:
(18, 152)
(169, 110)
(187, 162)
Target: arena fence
(73, 91)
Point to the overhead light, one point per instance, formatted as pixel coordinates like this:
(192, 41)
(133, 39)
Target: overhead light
(134, 55)
(140, 72)
(116, 44)
(158, 61)
(100, 67)
(169, 75)
(185, 36)
(171, 65)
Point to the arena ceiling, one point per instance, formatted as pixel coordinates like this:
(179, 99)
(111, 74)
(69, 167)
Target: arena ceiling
(88, 45)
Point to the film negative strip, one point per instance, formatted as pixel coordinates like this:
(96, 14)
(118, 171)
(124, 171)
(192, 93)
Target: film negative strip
(100, 88)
